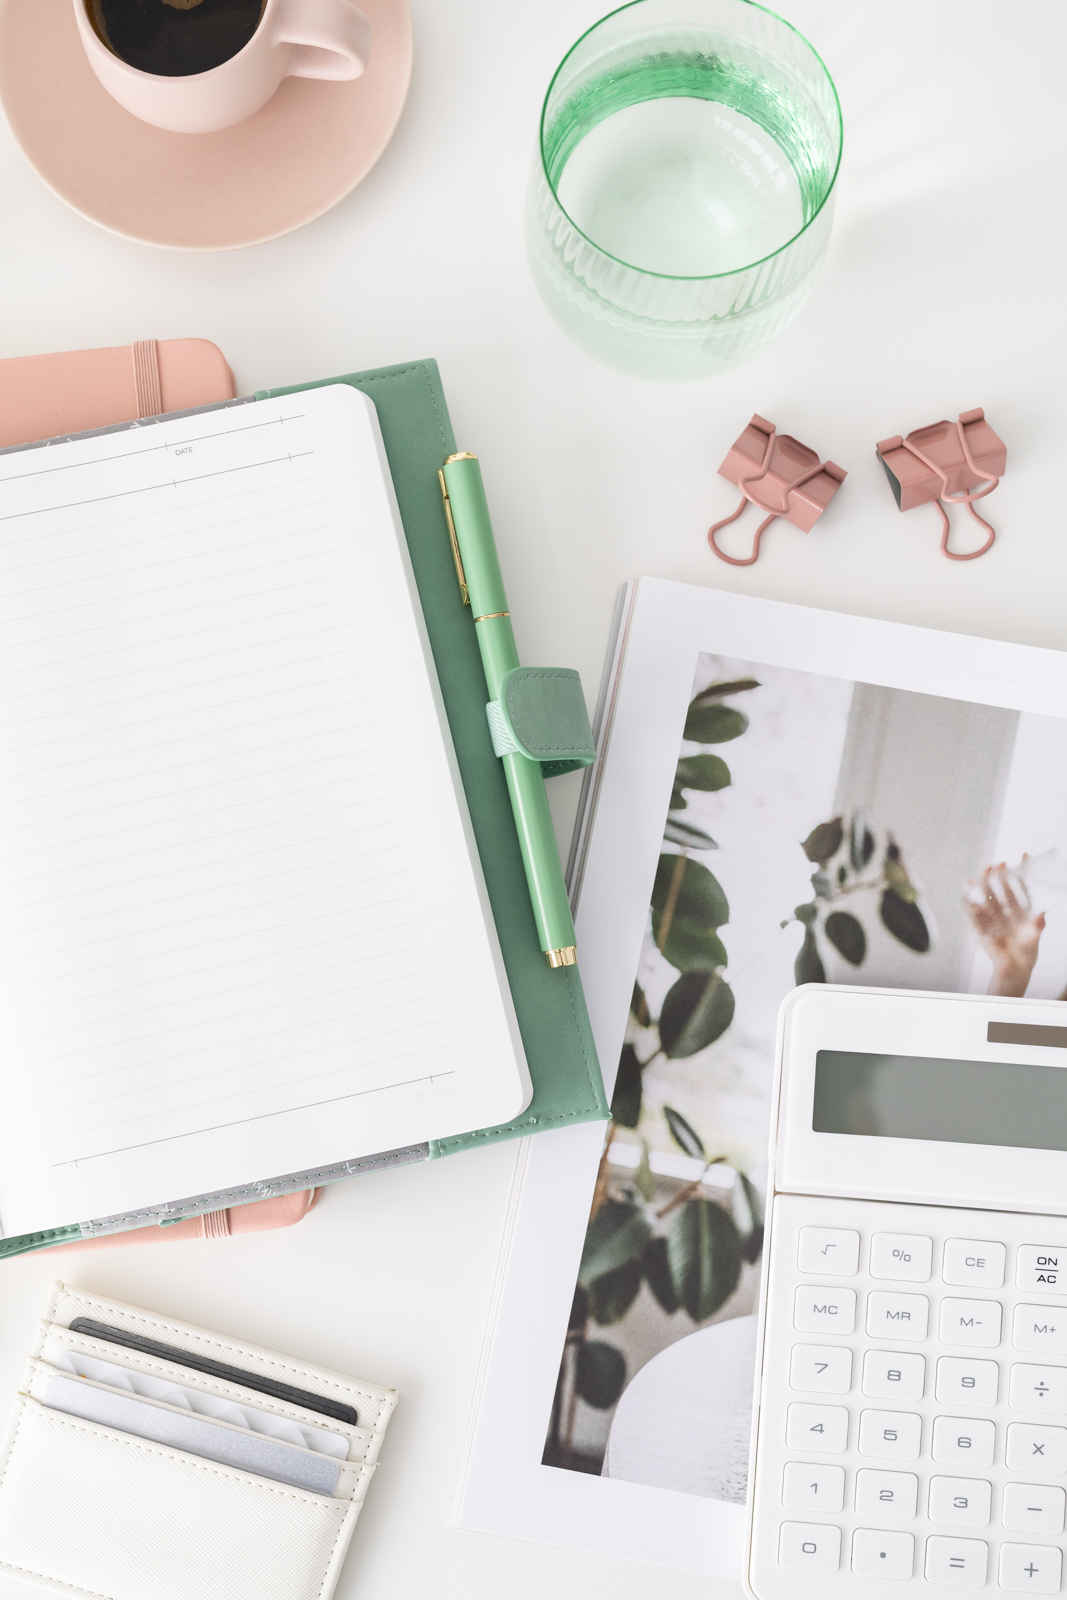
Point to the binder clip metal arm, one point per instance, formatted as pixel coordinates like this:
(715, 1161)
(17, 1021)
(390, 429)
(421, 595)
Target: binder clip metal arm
(943, 465)
(793, 483)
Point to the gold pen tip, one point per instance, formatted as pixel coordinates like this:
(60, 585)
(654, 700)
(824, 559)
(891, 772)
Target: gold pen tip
(565, 957)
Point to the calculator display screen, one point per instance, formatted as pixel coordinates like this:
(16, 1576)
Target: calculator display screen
(1015, 1104)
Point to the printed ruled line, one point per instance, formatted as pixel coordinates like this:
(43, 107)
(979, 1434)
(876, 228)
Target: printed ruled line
(195, 839)
(187, 870)
(227, 938)
(311, 1105)
(217, 1074)
(188, 816)
(149, 450)
(151, 488)
(204, 996)
(275, 1088)
(131, 547)
(305, 711)
(11, 542)
(261, 905)
(177, 611)
(199, 633)
(164, 666)
(115, 595)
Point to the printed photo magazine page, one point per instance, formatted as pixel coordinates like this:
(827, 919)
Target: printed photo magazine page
(781, 796)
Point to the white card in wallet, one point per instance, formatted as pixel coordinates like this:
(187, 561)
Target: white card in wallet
(110, 1493)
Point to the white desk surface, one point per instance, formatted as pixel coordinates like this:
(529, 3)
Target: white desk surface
(942, 291)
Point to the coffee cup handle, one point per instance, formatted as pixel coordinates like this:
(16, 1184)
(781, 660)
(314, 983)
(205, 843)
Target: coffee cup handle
(330, 38)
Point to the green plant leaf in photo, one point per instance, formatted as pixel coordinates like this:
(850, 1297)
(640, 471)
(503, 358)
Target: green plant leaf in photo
(677, 831)
(707, 773)
(824, 841)
(704, 1253)
(616, 1235)
(688, 906)
(600, 1373)
(684, 1136)
(905, 921)
(696, 1011)
(626, 1100)
(845, 933)
(613, 1293)
(714, 724)
(748, 1215)
(808, 967)
(658, 1275)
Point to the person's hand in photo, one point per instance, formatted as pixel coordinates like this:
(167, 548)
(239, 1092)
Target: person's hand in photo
(998, 905)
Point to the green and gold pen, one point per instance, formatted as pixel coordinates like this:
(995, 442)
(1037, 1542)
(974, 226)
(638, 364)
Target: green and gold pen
(482, 588)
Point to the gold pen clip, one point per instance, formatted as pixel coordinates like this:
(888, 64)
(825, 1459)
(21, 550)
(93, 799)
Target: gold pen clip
(464, 593)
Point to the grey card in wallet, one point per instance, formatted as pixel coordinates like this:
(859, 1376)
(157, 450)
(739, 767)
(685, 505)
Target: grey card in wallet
(126, 1476)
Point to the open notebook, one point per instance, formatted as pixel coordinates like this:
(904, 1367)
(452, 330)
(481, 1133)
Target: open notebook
(243, 926)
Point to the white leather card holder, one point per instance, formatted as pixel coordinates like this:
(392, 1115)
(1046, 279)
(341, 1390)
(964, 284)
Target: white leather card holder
(111, 1494)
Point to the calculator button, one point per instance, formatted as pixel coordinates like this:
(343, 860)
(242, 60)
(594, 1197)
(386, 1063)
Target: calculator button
(882, 1555)
(890, 1433)
(977, 1262)
(894, 1375)
(964, 1440)
(824, 1310)
(901, 1255)
(959, 1561)
(974, 1322)
(808, 1488)
(1030, 1568)
(817, 1428)
(1041, 1328)
(1041, 1266)
(1035, 1449)
(962, 1501)
(1033, 1508)
(964, 1382)
(1038, 1389)
(835, 1251)
(897, 1316)
(809, 1546)
(820, 1369)
(887, 1494)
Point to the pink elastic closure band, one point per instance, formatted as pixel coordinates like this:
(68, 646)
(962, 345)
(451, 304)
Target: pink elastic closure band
(796, 484)
(955, 456)
(146, 384)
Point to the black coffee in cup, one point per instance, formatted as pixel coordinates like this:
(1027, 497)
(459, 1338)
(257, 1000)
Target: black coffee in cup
(175, 38)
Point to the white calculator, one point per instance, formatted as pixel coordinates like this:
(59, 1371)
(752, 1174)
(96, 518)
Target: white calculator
(910, 1433)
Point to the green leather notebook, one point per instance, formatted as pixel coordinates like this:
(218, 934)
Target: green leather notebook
(550, 1005)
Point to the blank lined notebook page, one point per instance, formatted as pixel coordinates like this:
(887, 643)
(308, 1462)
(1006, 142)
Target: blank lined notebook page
(243, 928)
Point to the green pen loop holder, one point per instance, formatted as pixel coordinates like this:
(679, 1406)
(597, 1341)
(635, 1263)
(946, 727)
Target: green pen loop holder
(541, 714)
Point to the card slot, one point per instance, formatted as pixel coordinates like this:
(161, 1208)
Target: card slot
(252, 1419)
(373, 1403)
(363, 1443)
(184, 1430)
(105, 1513)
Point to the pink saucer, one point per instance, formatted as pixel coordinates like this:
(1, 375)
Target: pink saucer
(292, 161)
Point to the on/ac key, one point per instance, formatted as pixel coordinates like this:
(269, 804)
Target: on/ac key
(1041, 1266)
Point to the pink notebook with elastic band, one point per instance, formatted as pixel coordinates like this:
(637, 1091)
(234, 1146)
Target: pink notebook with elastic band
(75, 391)
(42, 397)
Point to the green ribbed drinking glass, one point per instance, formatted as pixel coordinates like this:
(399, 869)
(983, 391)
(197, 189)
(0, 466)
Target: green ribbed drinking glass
(680, 204)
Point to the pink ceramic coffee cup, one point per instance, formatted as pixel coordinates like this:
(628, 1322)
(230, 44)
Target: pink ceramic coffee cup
(295, 38)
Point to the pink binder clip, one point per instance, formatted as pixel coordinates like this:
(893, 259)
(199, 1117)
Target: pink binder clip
(944, 464)
(780, 476)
